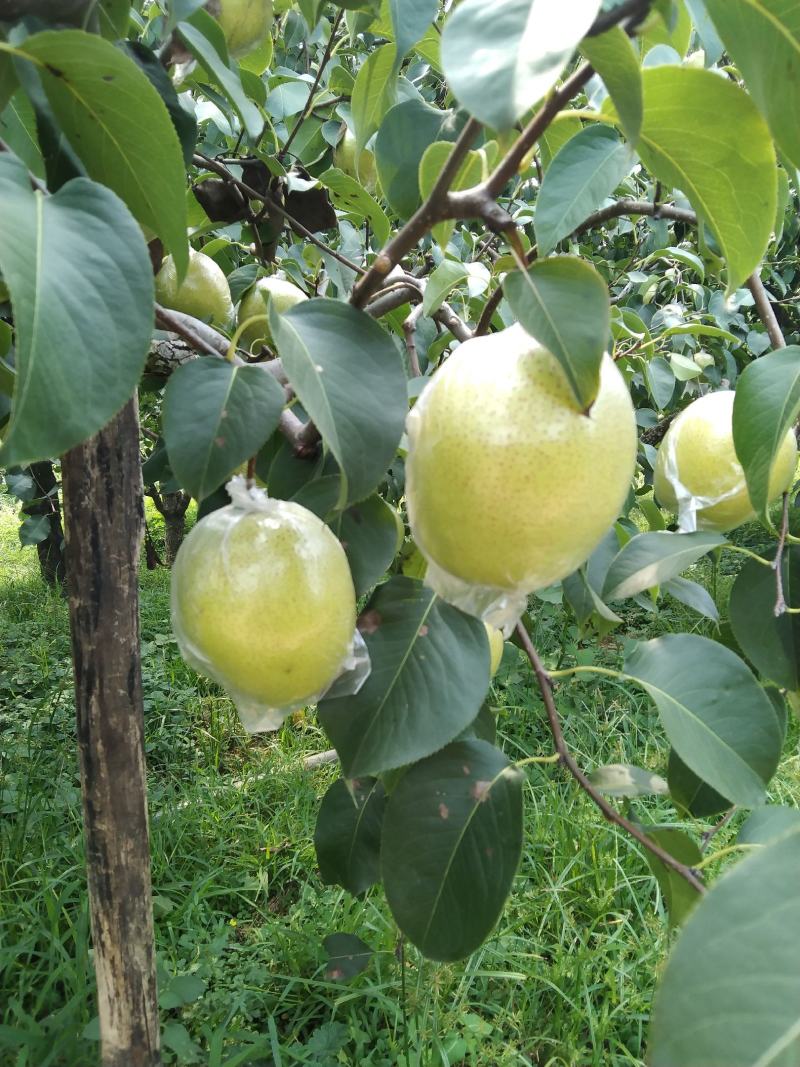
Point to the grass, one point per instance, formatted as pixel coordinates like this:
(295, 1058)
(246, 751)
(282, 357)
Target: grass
(566, 979)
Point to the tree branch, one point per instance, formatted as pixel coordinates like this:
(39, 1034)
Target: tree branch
(436, 208)
(309, 104)
(633, 9)
(765, 311)
(678, 214)
(568, 760)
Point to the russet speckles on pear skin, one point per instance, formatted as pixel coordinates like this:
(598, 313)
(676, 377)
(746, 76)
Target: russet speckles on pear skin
(508, 483)
(266, 600)
(698, 452)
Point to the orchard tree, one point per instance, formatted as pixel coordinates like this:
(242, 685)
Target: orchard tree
(422, 300)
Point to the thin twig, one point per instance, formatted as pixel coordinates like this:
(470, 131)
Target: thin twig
(409, 332)
(310, 101)
(765, 311)
(780, 602)
(715, 829)
(568, 760)
(635, 8)
(434, 209)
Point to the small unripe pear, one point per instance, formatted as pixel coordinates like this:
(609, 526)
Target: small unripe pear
(203, 293)
(344, 157)
(279, 293)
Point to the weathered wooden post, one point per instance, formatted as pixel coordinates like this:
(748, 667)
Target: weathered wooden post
(104, 515)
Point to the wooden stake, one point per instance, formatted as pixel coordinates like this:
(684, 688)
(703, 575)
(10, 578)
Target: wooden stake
(104, 513)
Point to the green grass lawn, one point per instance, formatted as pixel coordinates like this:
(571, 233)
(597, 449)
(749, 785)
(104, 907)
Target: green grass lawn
(566, 979)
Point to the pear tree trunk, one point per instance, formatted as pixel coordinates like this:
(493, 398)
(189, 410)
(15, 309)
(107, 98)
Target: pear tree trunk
(104, 514)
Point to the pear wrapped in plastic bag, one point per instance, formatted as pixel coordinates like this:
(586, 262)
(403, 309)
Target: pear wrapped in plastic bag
(263, 603)
(509, 485)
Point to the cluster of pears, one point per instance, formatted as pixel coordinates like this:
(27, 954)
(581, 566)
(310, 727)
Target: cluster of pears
(509, 486)
(204, 293)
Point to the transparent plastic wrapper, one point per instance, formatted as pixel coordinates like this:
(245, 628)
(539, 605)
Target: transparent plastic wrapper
(698, 474)
(263, 603)
(501, 464)
(688, 505)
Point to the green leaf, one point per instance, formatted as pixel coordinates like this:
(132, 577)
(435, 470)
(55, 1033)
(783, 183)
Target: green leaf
(184, 122)
(82, 335)
(771, 644)
(441, 283)
(588, 169)
(763, 37)
(730, 992)
(766, 405)
(430, 167)
(410, 20)
(406, 131)
(561, 129)
(716, 715)
(767, 824)
(373, 93)
(452, 838)
(176, 1037)
(614, 57)
(690, 793)
(679, 897)
(118, 126)
(114, 18)
(223, 70)
(563, 302)
(8, 79)
(693, 595)
(369, 532)
(501, 56)
(430, 673)
(692, 260)
(33, 529)
(348, 956)
(347, 836)
(351, 196)
(18, 130)
(624, 780)
(649, 559)
(216, 416)
(703, 135)
(672, 27)
(349, 377)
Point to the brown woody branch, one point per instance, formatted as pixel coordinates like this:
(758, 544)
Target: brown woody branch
(568, 760)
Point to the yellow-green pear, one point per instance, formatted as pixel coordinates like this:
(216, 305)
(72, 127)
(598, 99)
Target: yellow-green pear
(344, 157)
(263, 602)
(278, 292)
(496, 646)
(697, 470)
(508, 484)
(245, 23)
(203, 293)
